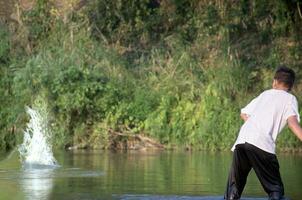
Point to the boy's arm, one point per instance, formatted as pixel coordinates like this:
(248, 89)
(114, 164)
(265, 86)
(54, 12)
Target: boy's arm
(294, 125)
(247, 111)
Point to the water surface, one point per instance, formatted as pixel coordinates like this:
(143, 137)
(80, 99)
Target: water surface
(135, 175)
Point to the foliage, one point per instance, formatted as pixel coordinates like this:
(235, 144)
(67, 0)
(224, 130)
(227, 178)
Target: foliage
(38, 20)
(178, 71)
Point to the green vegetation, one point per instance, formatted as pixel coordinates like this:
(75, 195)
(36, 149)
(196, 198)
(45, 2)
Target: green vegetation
(177, 71)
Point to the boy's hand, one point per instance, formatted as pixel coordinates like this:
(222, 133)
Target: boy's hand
(294, 125)
(244, 116)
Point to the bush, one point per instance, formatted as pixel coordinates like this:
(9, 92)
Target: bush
(177, 71)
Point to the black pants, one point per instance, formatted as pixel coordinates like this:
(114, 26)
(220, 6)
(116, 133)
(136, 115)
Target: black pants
(266, 166)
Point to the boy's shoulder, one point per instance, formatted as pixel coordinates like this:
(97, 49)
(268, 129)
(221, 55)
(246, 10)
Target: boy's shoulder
(279, 93)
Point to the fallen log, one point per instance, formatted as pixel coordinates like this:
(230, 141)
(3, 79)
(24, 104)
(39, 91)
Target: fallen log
(133, 141)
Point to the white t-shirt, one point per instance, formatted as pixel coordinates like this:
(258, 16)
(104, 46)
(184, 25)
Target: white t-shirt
(268, 114)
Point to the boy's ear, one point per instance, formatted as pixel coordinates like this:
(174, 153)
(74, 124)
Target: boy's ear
(275, 82)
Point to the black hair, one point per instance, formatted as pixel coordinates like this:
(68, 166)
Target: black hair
(286, 76)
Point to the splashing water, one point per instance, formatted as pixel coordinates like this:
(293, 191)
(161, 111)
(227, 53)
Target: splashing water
(36, 149)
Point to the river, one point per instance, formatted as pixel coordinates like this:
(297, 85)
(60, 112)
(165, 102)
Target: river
(135, 175)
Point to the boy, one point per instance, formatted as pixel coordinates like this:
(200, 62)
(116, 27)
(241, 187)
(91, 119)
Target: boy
(265, 116)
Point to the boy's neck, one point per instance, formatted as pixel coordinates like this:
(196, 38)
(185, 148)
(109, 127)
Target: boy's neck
(281, 88)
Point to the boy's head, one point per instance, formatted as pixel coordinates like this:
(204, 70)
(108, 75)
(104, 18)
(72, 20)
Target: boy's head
(285, 77)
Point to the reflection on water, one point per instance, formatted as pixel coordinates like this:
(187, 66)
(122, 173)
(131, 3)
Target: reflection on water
(94, 175)
(37, 183)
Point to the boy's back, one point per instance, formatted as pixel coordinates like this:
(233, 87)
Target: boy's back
(267, 117)
(264, 117)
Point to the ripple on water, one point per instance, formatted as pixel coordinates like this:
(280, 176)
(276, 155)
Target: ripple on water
(48, 173)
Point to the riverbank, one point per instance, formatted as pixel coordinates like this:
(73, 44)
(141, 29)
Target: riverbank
(175, 72)
(141, 143)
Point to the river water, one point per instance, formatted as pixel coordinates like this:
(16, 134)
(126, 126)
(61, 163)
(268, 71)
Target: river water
(135, 175)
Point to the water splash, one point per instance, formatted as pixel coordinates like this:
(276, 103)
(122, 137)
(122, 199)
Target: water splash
(36, 149)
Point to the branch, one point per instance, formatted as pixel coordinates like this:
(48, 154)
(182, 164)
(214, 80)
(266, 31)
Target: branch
(299, 11)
